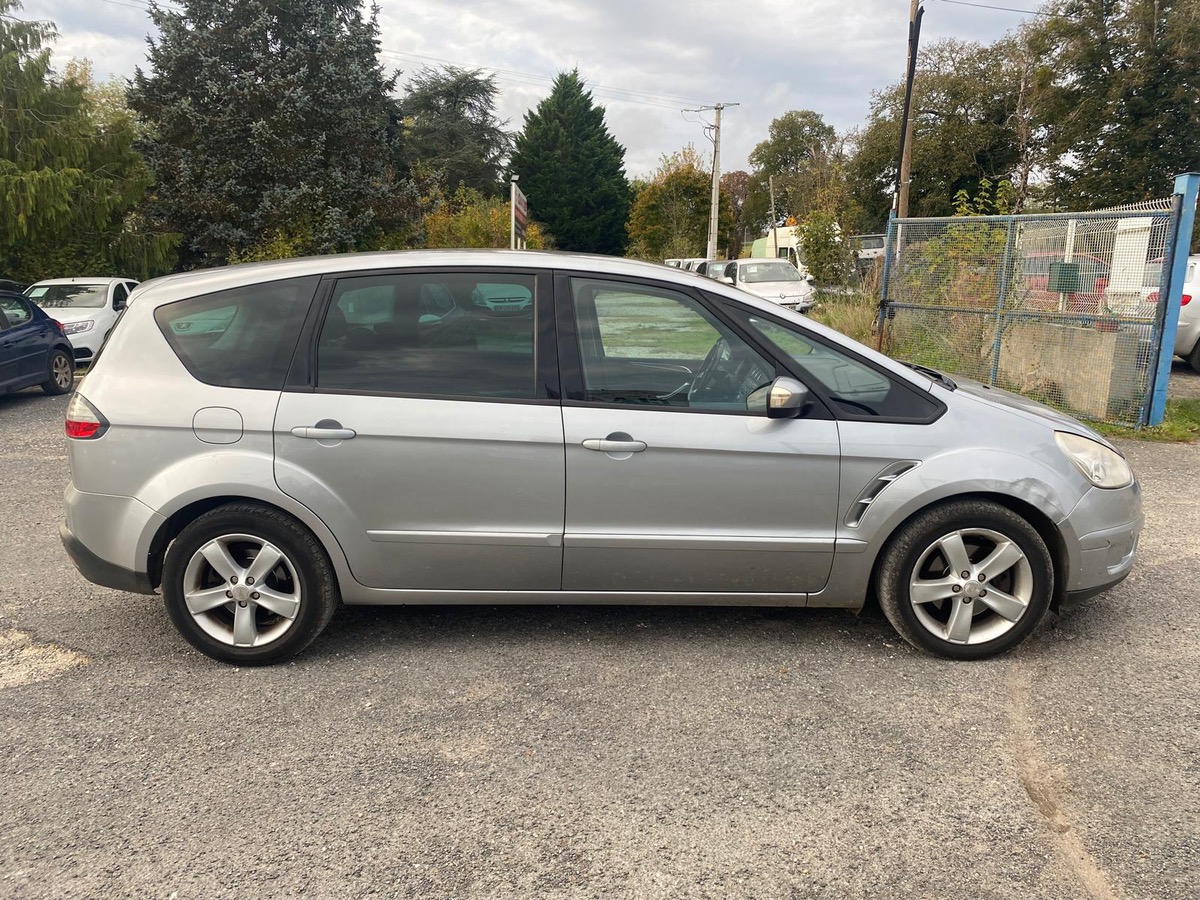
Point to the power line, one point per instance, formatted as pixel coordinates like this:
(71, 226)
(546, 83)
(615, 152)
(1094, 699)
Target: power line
(1012, 9)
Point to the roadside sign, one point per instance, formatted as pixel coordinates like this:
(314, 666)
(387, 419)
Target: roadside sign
(519, 218)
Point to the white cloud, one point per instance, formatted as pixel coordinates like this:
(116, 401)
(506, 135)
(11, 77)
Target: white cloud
(645, 59)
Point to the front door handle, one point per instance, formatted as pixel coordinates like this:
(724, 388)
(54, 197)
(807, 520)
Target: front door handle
(322, 432)
(604, 445)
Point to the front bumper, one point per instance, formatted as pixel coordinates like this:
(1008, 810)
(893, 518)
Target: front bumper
(1100, 553)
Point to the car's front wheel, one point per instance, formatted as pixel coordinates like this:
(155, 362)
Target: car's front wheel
(249, 585)
(62, 373)
(967, 580)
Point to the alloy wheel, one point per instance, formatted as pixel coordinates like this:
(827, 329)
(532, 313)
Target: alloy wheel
(971, 586)
(242, 590)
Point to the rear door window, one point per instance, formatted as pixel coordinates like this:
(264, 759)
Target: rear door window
(15, 311)
(440, 334)
(243, 337)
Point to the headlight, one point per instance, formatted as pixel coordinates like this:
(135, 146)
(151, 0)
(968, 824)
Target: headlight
(78, 327)
(1101, 466)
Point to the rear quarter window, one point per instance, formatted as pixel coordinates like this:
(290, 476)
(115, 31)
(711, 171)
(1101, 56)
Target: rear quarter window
(243, 337)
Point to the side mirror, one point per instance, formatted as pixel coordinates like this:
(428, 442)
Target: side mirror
(118, 305)
(809, 279)
(783, 398)
(727, 279)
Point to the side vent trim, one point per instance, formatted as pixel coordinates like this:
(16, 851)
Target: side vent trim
(875, 487)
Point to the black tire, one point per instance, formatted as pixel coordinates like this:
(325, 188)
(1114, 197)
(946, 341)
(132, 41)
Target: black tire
(56, 384)
(313, 576)
(913, 543)
(1193, 358)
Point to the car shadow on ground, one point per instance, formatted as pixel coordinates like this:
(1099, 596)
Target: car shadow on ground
(359, 630)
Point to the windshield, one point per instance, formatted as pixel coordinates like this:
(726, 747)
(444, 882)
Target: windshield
(757, 273)
(69, 296)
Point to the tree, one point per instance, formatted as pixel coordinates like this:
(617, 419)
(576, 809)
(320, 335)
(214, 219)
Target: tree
(964, 98)
(469, 219)
(450, 126)
(736, 187)
(1124, 78)
(573, 171)
(795, 141)
(271, 118)
(669, 218)
(69, 178)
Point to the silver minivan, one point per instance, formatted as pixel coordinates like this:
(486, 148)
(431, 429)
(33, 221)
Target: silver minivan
(265, 441)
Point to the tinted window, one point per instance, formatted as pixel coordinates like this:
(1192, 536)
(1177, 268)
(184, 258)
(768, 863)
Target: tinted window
(442, 334)
(15, 311)
(856, 389)
(649, 347)
(243, 337)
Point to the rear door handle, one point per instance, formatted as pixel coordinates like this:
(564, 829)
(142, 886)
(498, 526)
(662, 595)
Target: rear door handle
(323, 433)
(604, 445)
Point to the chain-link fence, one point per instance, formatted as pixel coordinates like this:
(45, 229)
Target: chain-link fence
(1063, 307)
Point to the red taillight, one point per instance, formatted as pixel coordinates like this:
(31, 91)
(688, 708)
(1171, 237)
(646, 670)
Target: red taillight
(1185, 300)
(82, 430)
(84, 421)
(1152, 297)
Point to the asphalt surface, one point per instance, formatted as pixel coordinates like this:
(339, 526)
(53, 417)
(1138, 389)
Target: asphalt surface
(592, 752)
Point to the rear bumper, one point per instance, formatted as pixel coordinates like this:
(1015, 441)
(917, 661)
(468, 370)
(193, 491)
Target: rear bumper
(100, 571)
(108, 538)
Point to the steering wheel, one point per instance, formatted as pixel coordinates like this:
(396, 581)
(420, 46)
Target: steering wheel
(705, 381)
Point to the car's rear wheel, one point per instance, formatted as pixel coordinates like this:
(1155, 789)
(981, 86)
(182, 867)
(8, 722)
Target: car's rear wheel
(62, 373)
(1193, 358)
(966, 580)
(249, 585)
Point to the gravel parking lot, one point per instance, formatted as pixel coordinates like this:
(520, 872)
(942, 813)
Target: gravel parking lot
(592, 752)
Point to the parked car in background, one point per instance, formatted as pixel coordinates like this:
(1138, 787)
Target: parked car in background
(7, 284)
(33, 348)
(674, 263)
(87, 308)
(776, 280)
(1187, 337)
(691, 263)
(1047, 281)
(712, 268)
(645, 436)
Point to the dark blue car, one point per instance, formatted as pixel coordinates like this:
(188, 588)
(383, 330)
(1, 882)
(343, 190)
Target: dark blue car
(33, 348)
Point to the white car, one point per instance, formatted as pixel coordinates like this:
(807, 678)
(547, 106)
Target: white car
(776, 280)
(87, 308)
(1187, 337)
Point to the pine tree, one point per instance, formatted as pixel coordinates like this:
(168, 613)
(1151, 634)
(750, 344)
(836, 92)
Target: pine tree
(69, 178)
(270, 124)
(573, 171)
(450, 128)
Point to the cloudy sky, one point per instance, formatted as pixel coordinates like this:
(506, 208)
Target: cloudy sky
(646, 60)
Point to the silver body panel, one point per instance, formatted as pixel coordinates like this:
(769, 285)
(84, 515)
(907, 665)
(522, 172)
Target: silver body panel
(454, 501)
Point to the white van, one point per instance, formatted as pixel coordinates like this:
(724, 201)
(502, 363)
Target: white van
(87, 308)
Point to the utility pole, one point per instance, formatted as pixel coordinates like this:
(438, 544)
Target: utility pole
(915, 14)
(714, 205)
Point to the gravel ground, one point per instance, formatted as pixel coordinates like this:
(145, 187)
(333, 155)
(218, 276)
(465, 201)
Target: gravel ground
(1185, 382)
(592, 752)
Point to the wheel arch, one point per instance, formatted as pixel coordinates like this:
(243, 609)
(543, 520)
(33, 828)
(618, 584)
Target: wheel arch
(1041, 523)
(179, 519)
